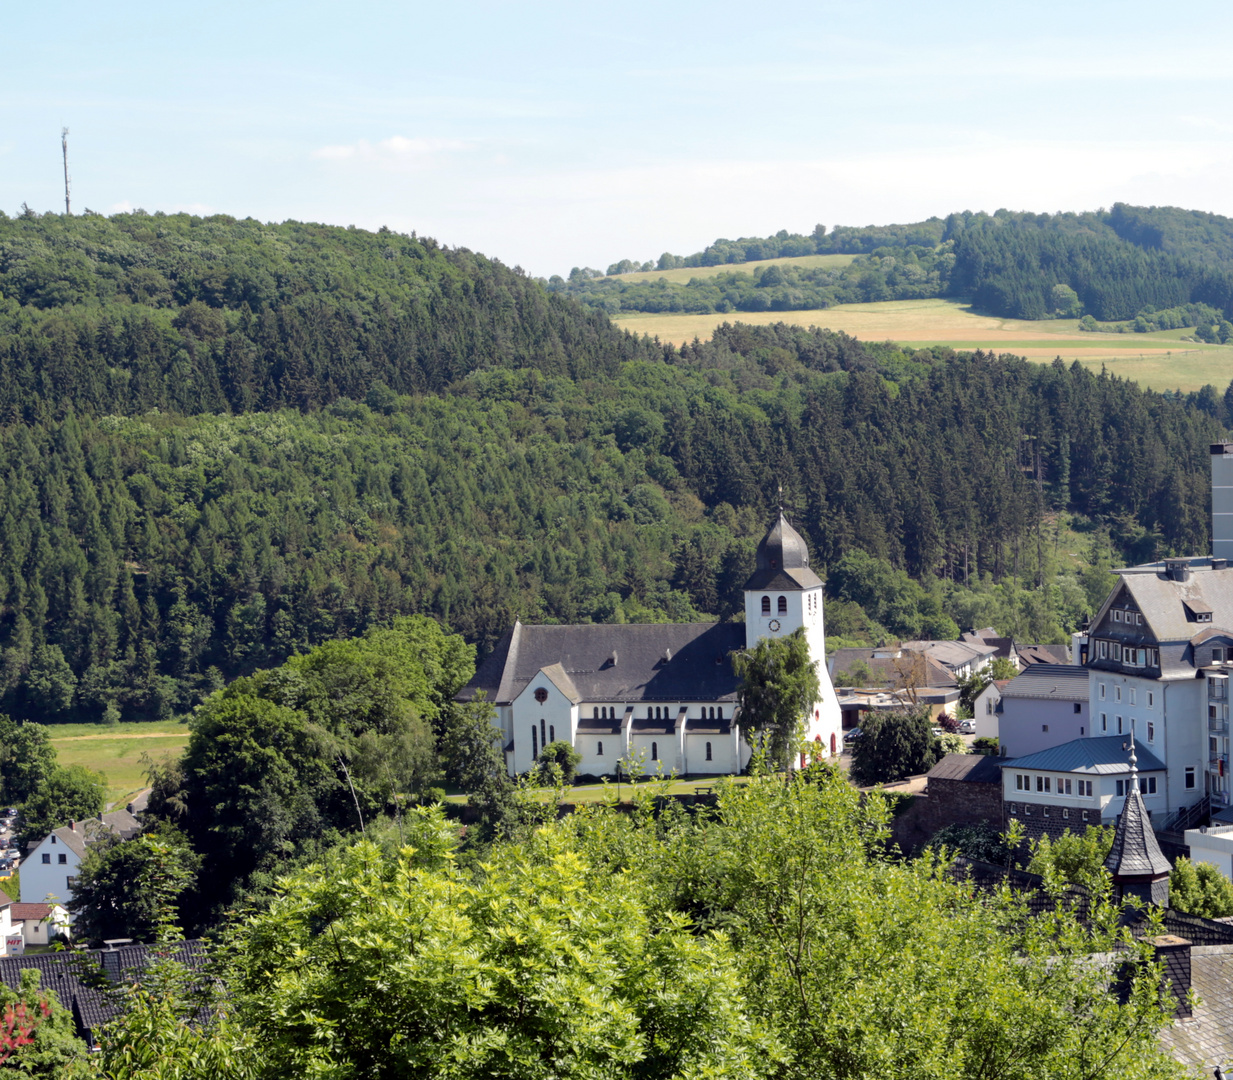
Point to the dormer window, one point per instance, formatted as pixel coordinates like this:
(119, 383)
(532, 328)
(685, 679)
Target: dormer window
(1197, 611)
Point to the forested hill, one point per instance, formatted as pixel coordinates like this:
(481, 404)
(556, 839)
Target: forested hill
(192, 315)
(465, 446)
(1112, 265)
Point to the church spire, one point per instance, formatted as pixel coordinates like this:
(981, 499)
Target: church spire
(1136, 862)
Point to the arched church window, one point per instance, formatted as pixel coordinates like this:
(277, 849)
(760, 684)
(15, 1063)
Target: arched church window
(541, 695)
(712, 712)
(552, 733)
(654, 751)
(542, 732)
(595, 713)
(534, 743)
(708, 751)
(599, 748)
(766, 605)
(721, 712)
(783, 605)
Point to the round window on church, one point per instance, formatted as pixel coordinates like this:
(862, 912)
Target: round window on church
(541, 695)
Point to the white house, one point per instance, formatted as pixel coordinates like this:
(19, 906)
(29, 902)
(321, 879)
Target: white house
(10, 939)
(50, 868)
(985, 709)
(39, 923)
(663, 693)
(1212, 845)
(1082, 782)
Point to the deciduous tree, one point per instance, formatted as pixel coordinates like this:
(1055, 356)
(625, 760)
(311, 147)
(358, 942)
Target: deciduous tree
(779, 685)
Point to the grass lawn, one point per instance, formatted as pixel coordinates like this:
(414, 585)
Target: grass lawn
(116, 751)
(1161, 361)
(686, 273)
(592, 793)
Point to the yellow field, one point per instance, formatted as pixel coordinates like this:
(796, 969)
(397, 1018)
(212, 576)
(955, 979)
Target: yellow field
(1161, 361)
(685, 273)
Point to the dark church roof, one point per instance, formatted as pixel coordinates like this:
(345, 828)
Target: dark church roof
(782, 562)
(626, 663)
(1135, 852)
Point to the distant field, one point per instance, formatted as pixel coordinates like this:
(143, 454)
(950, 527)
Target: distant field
(1160, 360)
(116, 751)
(685, 273)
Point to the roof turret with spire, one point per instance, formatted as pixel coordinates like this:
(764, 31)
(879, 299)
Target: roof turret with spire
(1136, 862)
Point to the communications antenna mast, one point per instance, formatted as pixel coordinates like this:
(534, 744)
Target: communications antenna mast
(64, 148)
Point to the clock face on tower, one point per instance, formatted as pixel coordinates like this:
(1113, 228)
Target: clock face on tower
(774, 625)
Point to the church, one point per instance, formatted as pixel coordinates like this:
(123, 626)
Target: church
(664, 693)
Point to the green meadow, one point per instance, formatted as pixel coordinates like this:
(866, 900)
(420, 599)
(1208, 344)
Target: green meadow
(117, 751)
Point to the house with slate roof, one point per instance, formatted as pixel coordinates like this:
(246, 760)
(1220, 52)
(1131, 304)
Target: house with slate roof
(664, 693)
(81, 980)
(1042, 706)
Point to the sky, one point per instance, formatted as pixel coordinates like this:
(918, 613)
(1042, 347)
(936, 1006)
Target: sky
(554, 135)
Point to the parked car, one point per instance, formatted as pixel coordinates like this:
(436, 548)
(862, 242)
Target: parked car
(967, 727)
(851, 735)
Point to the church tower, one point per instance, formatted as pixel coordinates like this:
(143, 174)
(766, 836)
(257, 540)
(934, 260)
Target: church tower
(782, 595)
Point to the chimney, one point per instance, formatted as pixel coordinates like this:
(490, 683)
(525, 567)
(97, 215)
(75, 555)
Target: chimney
(1222, 500)
(72, 826)
(1179, 569)
(1173, 955)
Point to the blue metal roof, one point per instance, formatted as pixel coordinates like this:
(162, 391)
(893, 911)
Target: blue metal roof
(1108, 755)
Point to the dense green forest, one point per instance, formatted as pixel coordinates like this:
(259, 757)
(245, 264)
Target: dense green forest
(159, 539)
(1110, 265)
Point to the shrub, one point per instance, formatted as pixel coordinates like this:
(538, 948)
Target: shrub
(558, 759)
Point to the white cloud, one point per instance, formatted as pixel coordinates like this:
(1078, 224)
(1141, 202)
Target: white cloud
(397, 150)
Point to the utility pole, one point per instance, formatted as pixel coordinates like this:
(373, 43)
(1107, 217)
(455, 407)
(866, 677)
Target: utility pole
(64, 149)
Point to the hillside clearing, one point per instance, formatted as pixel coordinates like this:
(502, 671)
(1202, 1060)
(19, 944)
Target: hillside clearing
(1160, 361)
(682, 275)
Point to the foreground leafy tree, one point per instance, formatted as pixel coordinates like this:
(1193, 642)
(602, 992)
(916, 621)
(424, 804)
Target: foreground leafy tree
(538, 967)
(37, 1033)
(571, 955)
(775, 938)
(112, 898)
(893, 744)
(1200, 889)
(779, 686)
(870, 967)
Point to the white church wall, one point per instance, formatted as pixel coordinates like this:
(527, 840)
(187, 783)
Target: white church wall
(553, 718)
(723, 758)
